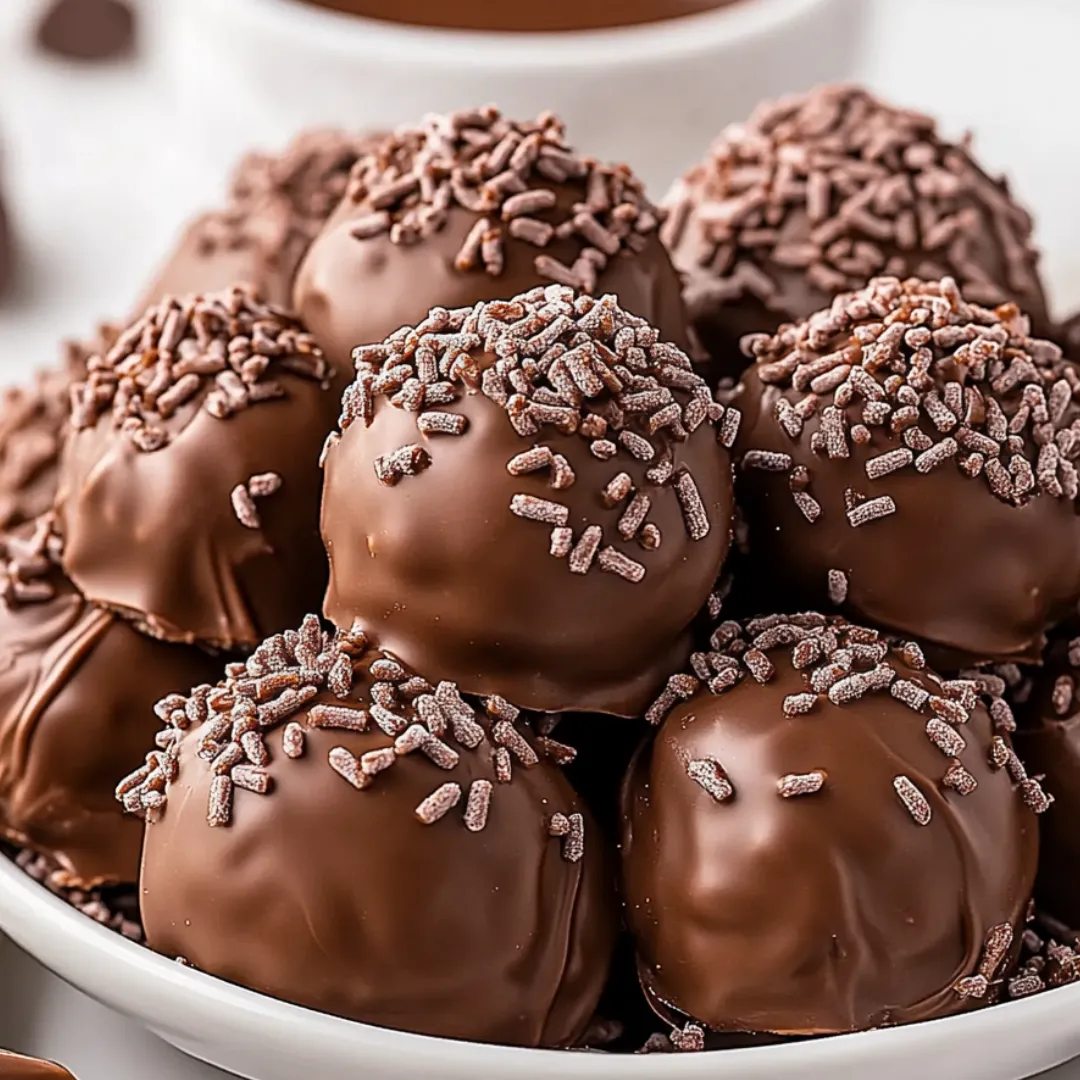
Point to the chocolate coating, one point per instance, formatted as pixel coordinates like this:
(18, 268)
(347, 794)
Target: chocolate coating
(488, 933)
(860, 899)
(353, 291)
(276, 205)
(815, 195)
(17, 1067)
(77, 687)
(1048, 742)
(87, 29)
(555, 15)
(148, 497)
(450, 571)
(977, 546)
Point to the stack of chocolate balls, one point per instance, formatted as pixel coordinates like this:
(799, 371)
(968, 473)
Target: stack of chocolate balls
(499, 448)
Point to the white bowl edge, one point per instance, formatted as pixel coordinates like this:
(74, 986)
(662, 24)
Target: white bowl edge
(265, 1039)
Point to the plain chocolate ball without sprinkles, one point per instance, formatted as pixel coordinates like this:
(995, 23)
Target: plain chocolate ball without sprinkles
(474, 206)
(190, 482)
(531, 498)
(824, 836)
(411, 860)
(815, 195)
(277, 204)
(77, 689)
(910, 455)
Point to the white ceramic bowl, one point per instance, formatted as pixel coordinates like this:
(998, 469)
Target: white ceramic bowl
(263, 1039)
(253, 72)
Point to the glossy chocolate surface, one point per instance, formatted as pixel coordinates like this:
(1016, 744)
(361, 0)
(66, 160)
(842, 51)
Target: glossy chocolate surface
(1048, 741)
(77, 689)
(17, 1067)
(354, 290)
(816, 194)
(776, 878)
(380, 906)
(155, 533)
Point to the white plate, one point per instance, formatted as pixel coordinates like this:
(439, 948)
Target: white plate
(263, 1039)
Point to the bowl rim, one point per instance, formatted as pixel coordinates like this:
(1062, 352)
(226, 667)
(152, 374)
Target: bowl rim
(133, 973)
(336, 32)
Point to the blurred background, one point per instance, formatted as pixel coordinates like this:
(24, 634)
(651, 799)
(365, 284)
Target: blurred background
(101, 162)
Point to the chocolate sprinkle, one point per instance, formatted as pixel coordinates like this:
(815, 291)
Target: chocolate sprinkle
(219, 352)
(500, 170)
(839, 187)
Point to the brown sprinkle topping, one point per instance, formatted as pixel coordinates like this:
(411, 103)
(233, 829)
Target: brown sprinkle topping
(567, 361)
(502, 171)
(227, 348)
(913, 799)
(897, 345)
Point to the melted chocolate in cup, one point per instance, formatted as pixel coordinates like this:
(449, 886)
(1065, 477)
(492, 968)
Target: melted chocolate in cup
(555, 15)
(823, 837)
(17, 1067)
(530, 498)
(277, 204)
(817, 194)
(417, 864)
(77, 690)
(908, 456)
(190, 484)
(475, 207)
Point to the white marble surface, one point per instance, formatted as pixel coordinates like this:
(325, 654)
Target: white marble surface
(100, 180)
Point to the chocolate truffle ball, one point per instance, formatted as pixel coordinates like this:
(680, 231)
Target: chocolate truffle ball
(824, 836)
(817, 194)
(529, 498)
(77, 689)
(190, 483)
(33, 425)
(909, 455)
(17, 1067)
(416, 864)
(1049, 743)
(474, 206)
(276, 206)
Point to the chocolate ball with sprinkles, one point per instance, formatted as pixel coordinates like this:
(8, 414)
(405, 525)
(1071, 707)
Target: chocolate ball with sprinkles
(1047, 702)
(532, 498)
(277, 203)
(818, 193)
(476, 206)
(412, 859)
(190, 482)
(824, 836)
(77, 688)
(910, 455)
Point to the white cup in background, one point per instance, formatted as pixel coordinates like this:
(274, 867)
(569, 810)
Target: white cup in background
(246, 73)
